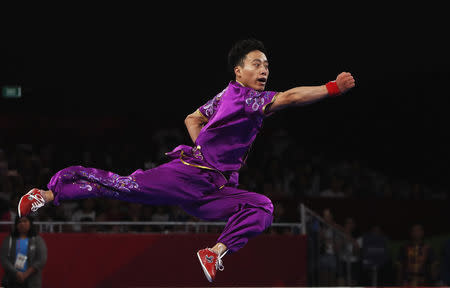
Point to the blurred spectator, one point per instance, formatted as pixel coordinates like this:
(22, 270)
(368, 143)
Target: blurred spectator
(375, 258)
(327, 258)
(68, 208)
(179, 215)
(113, 213)
(135, 215)
(85, 213)
(160, 215)
(349, 260)
(335, 188)
(313, 228)
(147, 212)
(445, 267)
(416, 261)
(23, 255)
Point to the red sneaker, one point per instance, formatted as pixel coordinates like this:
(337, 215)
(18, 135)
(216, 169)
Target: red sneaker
(30, 202)
(211, 262)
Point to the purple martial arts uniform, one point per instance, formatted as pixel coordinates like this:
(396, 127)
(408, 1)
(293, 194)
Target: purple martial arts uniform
(202, 179)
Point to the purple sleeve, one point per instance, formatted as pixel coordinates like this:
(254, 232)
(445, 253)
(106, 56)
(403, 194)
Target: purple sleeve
(260, 101)
(210, 107)
(271, 96)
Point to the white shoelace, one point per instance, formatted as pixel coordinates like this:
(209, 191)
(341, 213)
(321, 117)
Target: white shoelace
(40, 201)
(219, 263)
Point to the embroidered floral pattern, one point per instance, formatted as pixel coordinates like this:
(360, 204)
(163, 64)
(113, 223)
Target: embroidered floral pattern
(211, 106)
(121, 183)
(197, 153)
(86, 185)
(257, 99)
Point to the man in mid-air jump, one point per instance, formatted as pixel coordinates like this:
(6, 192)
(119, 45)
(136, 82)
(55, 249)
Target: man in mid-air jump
(203, 178)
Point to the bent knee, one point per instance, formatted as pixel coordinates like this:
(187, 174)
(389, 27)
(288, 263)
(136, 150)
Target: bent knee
(266, 204)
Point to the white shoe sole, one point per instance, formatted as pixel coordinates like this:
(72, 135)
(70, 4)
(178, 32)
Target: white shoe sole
(204, 269)
(18, 206)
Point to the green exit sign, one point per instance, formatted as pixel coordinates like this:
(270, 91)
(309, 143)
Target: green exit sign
(12, 92)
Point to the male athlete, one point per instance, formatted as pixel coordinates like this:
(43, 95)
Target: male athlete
(203, 178)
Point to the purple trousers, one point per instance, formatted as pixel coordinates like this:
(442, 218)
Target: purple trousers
(198, 191)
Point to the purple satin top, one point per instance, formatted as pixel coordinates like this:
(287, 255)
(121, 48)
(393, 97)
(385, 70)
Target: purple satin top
(235, 117)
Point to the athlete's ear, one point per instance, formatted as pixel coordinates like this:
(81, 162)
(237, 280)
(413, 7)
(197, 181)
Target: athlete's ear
(237, 71)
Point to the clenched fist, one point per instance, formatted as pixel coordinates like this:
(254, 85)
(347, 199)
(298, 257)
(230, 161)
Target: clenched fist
(345, 82)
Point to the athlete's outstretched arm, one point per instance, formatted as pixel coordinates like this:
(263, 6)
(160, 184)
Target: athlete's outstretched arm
(308, 94)
(194, 123)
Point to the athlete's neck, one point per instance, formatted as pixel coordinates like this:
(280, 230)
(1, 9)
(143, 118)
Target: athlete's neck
(240, 83)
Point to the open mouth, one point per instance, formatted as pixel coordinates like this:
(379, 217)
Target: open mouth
(262, 80)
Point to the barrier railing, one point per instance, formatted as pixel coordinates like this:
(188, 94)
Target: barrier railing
(58, 226)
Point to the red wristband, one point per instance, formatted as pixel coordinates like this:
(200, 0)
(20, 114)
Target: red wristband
(333, 89)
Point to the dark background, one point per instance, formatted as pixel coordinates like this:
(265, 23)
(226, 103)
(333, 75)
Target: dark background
(114, 74)
(110, 78)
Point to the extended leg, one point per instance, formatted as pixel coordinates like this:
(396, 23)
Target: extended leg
(168, 184)
(78, 182)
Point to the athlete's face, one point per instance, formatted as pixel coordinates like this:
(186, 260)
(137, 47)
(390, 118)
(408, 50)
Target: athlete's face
(254, 71)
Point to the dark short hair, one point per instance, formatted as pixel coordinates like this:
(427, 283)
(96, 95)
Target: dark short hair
(31, 233)
(240, 49)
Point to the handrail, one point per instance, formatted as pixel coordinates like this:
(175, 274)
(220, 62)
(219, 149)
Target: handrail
(335, 227)
(168, 223)
(57, 226)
